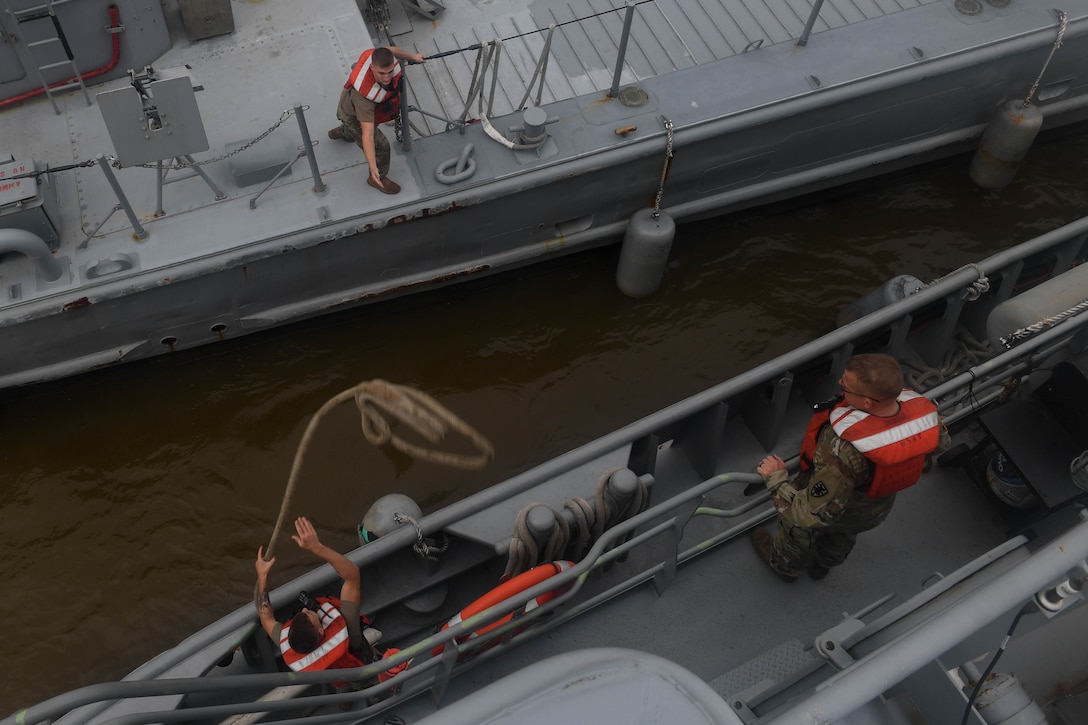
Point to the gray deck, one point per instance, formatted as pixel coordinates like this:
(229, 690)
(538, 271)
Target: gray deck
(666, 36)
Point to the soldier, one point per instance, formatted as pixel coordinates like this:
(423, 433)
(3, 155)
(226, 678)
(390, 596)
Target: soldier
(857, 453)
(370, 98)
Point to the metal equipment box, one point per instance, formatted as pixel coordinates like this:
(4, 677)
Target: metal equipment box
(29, 203)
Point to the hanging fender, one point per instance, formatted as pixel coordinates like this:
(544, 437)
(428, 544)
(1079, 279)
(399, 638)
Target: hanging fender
(507, 589)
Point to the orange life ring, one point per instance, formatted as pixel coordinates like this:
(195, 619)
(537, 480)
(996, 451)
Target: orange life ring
(507, 589)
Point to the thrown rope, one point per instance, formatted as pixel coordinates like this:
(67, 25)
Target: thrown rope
(420, 412)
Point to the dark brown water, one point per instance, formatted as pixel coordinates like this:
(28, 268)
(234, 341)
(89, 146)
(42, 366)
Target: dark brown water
(133, 501)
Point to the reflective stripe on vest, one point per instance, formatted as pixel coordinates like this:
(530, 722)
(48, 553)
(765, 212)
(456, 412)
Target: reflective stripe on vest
(334, 642)
(872, 436)
(897, 445)
(363, 80)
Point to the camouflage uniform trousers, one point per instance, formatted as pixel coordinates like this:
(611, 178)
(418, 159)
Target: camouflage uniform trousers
(350, 127)
(795, 547)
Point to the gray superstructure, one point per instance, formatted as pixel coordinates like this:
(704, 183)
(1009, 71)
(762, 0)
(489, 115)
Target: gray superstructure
(107, 259)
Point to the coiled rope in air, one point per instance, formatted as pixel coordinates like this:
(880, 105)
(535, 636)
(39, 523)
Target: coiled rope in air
(376, 399)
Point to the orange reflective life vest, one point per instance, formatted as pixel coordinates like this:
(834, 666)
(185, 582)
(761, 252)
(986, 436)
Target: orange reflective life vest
(896, 445)
(332, 653)
(386, 100)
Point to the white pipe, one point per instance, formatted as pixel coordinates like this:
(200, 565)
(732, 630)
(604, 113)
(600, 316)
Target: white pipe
(30, 244)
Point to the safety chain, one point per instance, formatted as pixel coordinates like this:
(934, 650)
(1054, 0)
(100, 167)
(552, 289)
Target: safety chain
(973, 291)
(181, 165)
(421, 547)
(1062, 23)
(664, 169)
(53, 170)
(1046, 322)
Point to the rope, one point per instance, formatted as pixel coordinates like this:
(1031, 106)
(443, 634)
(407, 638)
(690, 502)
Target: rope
(1043, 324)
(524, 552)
(417, 410)
(590, 521)
(584, 518)
(1062, 23)
(967, 352)
(973, 291)
(423, 547)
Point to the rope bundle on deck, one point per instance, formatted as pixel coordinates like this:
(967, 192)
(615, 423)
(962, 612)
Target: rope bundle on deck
(575, 528)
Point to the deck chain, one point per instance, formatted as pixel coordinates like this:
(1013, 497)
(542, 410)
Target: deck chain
(1062, 24)
(665, 167)
(182, 165)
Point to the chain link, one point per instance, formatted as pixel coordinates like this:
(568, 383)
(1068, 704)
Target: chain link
(182, 165)
(1062, 23)
(664, 169)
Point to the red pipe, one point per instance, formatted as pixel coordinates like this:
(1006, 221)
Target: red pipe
(115, 22)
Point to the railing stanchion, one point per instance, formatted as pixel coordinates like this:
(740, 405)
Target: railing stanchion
(319, 185)
(137, 229)
(627, 18)
(803, 40)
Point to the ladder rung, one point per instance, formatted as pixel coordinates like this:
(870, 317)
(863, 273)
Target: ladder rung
(66, 86)
(58, 64)
(38, 11)
(44, 41)
(26, 16)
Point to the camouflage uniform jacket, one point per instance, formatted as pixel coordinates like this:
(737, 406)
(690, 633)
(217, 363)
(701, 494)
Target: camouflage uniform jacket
(832, 491)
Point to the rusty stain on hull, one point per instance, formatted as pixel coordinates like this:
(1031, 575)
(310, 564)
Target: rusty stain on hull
(77, 304)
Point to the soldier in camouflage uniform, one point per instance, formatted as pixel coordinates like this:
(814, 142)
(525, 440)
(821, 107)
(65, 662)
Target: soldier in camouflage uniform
(841, 490)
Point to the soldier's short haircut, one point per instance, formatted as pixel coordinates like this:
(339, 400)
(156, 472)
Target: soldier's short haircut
(383, 58)
(879, 374)
(302, 635)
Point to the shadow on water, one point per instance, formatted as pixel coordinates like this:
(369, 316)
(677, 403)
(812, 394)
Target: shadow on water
(134, 499)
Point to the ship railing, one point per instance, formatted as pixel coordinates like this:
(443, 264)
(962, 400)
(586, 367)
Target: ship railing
(486, 68)
(485, 76)
(758, 397)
